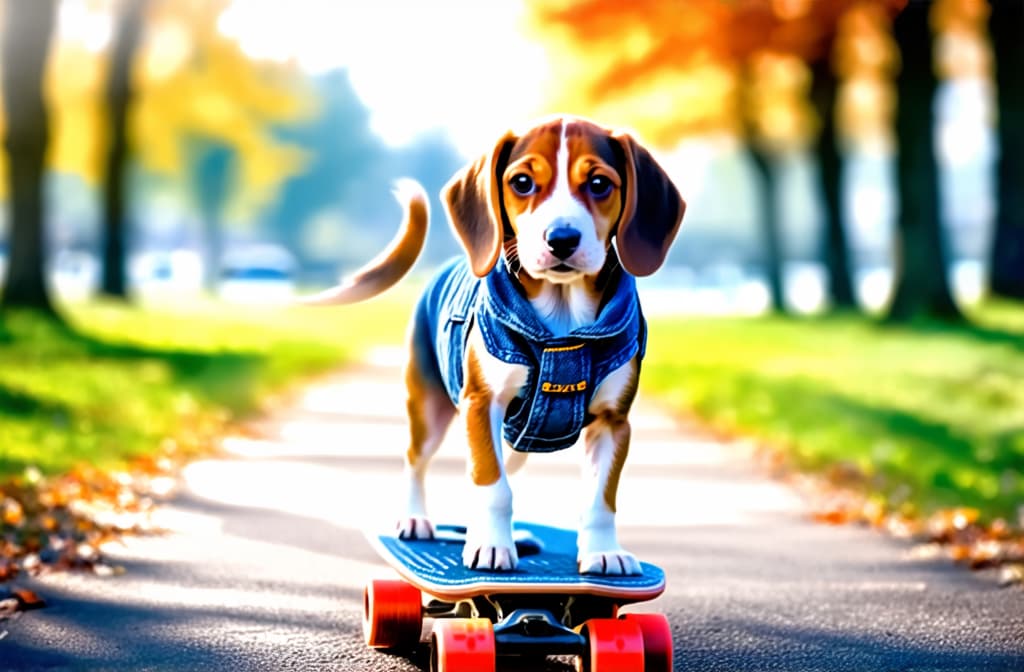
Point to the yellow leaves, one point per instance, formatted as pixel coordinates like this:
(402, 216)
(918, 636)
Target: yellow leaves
(777, 99)
(189, 79)
(866, 59)
(194, 81)
(74, 85)
(648, 66)
(169, 47)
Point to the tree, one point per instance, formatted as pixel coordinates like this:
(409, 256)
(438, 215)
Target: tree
(1006, 26)
(922, 281)
(127, 35)
(200, 91)
(830, 171)
(28, 27)
(701, 66)
(212, 168)
(764, 161)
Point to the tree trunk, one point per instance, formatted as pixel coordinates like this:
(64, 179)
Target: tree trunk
(764, 164)
(830, 167)
(922, 280)
(119, 97)
(28, 26)
(1007, 260)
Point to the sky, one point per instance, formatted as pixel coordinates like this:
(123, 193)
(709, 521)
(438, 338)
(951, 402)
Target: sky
(463, 67)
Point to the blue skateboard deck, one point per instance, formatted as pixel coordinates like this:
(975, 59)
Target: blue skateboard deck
(547, 565)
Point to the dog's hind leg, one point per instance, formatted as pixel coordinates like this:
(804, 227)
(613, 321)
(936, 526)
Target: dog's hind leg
(430, 412)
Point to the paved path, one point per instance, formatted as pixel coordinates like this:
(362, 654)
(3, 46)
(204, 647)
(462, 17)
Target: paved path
(266, 565)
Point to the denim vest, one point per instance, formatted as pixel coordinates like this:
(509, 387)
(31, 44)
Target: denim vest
(551, 410)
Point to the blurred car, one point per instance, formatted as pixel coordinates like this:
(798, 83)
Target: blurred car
(167, 274)
(75, 274)
(257, 274)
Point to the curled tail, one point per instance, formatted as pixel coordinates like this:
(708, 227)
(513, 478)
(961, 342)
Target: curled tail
(394, 262)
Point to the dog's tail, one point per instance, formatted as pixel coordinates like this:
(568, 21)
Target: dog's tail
(394, 262)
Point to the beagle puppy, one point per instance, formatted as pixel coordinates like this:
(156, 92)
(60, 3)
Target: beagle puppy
(536, 336)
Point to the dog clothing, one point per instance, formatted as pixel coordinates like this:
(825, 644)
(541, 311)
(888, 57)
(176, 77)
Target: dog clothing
(551, 410)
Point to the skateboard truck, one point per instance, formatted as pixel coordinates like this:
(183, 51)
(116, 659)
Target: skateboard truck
(527, 632)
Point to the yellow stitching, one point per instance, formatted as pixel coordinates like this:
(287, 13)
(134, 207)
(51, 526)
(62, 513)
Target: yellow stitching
(558, 388)
(564, 349)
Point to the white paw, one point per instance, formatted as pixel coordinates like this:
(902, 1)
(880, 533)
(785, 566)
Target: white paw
(415, 527)
(502, 558)
(617, 563)
(494, 549)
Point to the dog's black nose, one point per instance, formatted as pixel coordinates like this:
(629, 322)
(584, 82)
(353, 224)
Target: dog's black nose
(562, 240)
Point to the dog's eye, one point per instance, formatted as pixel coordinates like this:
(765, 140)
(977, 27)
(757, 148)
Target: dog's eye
(522, 184)
(599, 186)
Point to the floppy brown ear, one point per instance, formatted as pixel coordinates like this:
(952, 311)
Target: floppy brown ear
(473, 200)
(651, 212)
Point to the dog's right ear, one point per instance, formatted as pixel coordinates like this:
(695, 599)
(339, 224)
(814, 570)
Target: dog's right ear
(473, 200)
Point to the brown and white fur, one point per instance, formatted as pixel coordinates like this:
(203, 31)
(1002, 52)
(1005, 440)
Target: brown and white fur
(552, 200)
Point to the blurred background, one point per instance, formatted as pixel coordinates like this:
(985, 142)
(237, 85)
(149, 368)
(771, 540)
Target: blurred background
(853, 171)
(216, 145)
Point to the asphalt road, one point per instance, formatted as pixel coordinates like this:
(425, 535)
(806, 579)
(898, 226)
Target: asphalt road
(265, 564)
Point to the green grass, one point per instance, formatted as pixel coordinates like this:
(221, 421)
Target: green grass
(119, 381)
(932, 415)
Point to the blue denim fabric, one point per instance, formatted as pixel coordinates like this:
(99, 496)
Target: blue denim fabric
(551, 411)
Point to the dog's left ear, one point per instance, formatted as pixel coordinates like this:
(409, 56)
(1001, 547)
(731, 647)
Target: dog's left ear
(473, 200)
(652, 211)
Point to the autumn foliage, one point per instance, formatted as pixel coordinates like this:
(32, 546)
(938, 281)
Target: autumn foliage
(672, 69)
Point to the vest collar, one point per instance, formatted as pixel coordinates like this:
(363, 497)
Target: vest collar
(503, 298)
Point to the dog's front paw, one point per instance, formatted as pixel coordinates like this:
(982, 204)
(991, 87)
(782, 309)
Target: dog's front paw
(415, 527)
(494, 550)
(500, 558)
(616, 563)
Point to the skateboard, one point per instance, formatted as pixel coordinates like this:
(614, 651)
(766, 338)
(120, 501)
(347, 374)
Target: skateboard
(544, 607)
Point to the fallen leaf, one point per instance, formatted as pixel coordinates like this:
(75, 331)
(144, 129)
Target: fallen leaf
(1011, 575)
(13, 513)
(28, 600)
(832, 516)
(8, 607)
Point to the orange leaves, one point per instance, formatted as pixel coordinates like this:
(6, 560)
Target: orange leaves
(13, 601)
(671, 68)
(13, 514)
(63, 522)
(838, 498)
(28, 599)
(968, 542)
(954, 533)
(945, 525)
(194, 80)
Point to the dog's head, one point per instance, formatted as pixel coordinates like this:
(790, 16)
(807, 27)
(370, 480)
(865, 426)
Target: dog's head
(558, 195)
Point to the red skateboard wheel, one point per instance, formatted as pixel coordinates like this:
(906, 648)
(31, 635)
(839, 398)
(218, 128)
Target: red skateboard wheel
(613, 645)
(657, 637)
(462, 645)
(392, 614)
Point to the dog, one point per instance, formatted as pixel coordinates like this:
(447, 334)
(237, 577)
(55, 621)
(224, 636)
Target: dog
(536, 336)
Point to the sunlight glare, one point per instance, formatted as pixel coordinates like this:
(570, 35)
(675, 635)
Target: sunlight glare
(463, 68)
(80, 22)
